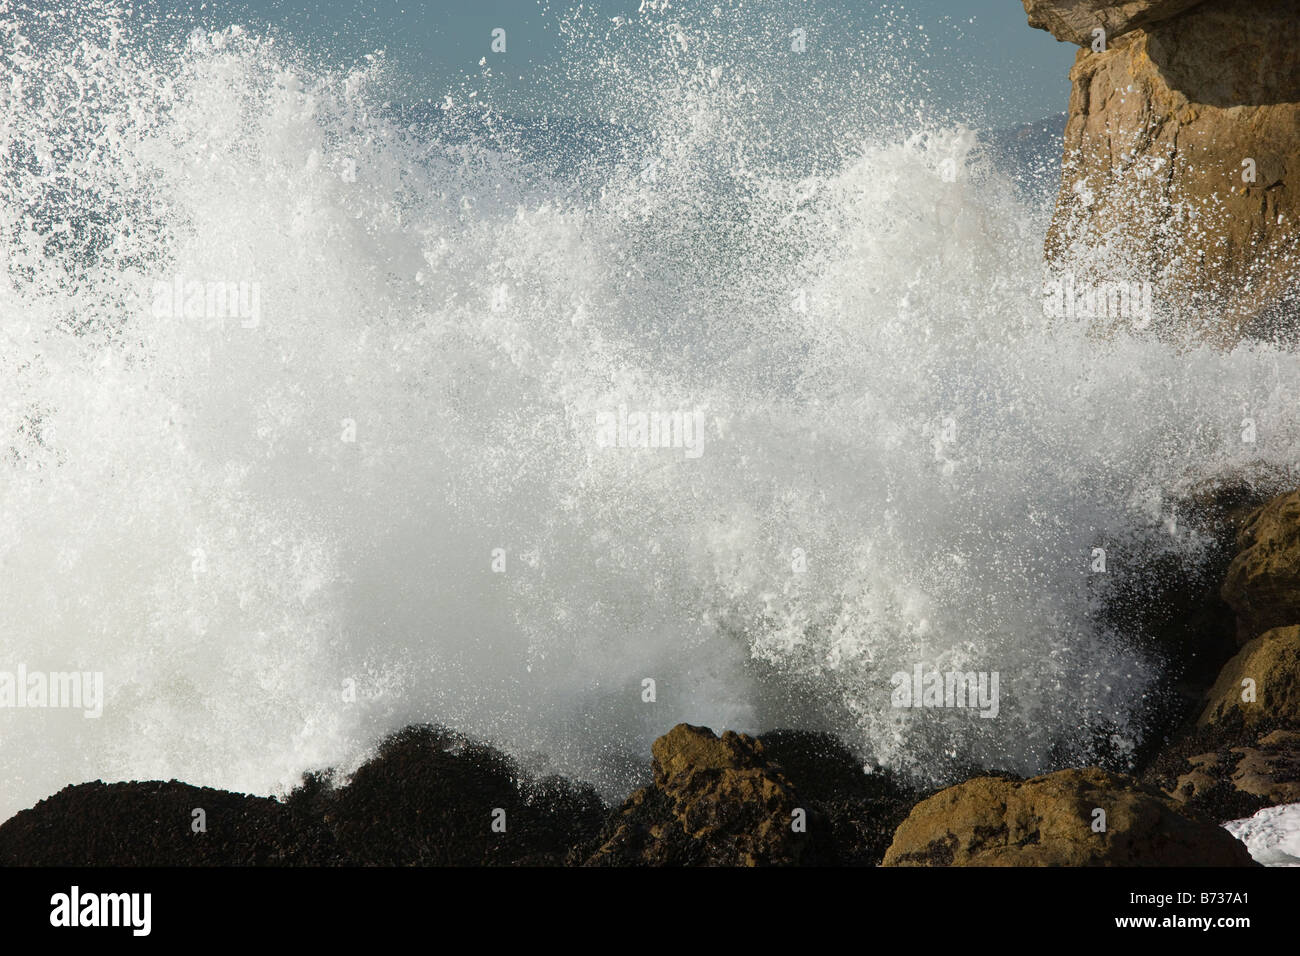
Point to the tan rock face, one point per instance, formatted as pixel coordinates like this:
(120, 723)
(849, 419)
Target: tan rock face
(1263, 581)
(1074, 20)
(715, 801)
(1182, 149)
(720, 785)
(1048, 821)
(1262, 683)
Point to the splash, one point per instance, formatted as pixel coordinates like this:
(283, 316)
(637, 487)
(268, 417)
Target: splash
(382, 496)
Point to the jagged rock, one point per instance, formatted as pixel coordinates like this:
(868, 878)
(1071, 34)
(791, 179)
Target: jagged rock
(1238, 781)
(715, 801)
(1181, 151)
(1207, 755)
(1074, 20)
(852, 811)
(1261, 684)
(1048, 821)
(1263, 581)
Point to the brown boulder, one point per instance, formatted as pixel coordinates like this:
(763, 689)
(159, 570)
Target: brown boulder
(1263, 581)
(715, 801)
(722, 787)
(1261, 684)
(1048, 821)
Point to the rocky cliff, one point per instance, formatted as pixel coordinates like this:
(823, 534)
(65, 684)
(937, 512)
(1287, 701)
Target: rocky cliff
(1181, 152)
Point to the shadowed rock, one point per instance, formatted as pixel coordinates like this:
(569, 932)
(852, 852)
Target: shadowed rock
(1226, 762)
(858, 807)
(1263, 581)
(151, 824)
(1174, 611)
(428, 798)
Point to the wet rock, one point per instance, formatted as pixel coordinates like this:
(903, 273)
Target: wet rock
(730, 800)
(1238, 781)
(1261, 684)
(1263, 581)
(715, 801)
(1049, 821)
(1210, 750)
(1213, 761)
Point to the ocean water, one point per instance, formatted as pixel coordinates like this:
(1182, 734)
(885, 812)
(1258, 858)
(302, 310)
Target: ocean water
(1272, 835)
(380, 493)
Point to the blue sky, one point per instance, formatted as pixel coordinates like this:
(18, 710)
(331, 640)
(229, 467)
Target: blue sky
(987, 65)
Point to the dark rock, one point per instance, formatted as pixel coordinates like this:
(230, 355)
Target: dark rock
(150, 824)
(1174, 612)
(1235, 782)
(1197, 767)
(428, 797)
(860, 810)
(1200, 762)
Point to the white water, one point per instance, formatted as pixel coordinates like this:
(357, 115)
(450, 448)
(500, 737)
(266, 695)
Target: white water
(179, 511)
(1272, 835)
